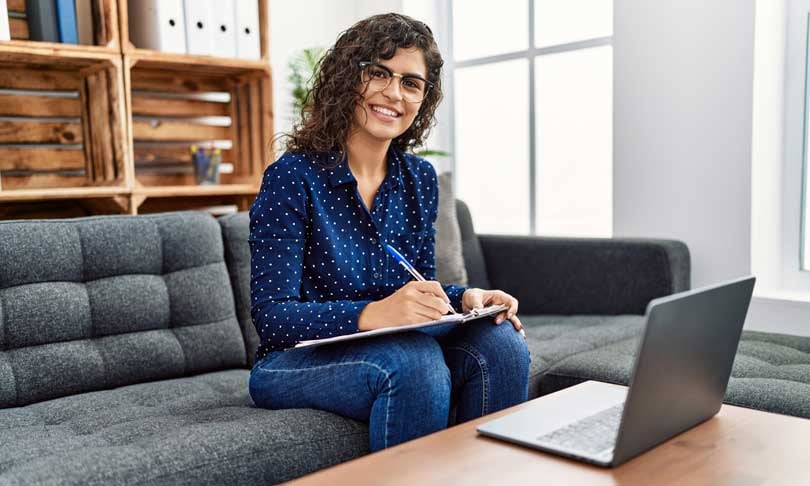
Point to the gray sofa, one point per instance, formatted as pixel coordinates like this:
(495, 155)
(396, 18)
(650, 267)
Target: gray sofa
(126, 342)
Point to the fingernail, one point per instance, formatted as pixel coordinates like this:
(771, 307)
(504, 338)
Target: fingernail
(523, 333)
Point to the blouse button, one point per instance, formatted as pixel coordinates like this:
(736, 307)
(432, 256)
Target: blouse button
(377, 275)
(373, 240)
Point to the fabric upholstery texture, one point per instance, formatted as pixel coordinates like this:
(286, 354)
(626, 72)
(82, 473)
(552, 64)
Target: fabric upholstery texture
(564, 276)
(449, 255)
(94, 303)
(235, 232)
(122, 356)
(195, 430)
(471, 249)
(771, 371)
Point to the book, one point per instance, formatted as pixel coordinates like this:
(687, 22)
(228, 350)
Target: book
(42, 23)
(448, 319)
(84, 21)
(5, 30)
(66, 20)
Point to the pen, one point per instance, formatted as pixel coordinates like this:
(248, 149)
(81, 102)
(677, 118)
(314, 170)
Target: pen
(402, 261)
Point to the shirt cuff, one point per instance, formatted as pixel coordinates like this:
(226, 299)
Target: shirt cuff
(352, 313)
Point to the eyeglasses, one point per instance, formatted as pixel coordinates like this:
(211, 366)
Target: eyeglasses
(414, 88)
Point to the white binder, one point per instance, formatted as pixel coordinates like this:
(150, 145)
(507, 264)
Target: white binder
(199, 27)
(247, 29)
(158, 25)
(5, 31)
(224, 27)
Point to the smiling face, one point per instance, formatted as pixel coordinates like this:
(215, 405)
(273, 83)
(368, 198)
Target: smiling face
(385, 115)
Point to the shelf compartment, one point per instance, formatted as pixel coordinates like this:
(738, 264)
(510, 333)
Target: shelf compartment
(46, 138)
(105, 29)
(173, 106)
(129, 48)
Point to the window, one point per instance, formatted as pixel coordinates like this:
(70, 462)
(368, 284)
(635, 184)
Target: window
(805, 217)
(532, 110)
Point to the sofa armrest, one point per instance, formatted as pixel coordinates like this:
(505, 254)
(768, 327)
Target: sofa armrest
(585, 276)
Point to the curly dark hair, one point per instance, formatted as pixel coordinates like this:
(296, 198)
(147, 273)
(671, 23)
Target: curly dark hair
(326, 119)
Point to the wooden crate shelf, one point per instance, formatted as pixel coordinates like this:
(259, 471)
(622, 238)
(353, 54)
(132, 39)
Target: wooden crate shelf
(106, 128)
(172, 108)
(47, 139)
(105, 25)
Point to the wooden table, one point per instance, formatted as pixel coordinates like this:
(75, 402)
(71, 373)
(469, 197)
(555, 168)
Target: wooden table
(738, 446)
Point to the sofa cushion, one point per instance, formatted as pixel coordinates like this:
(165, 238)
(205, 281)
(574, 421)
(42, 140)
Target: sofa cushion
(235, 233)
(94, 303)
(449, 255)
(554, 340)
(771, 372)
(193, 430)
(471, 249)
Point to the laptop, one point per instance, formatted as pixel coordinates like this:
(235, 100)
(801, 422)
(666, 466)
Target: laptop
(679, 379)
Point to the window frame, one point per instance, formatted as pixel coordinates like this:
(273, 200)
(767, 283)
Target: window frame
(530, 54)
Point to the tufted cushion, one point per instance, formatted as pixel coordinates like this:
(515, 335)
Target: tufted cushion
(99, 302)
(771, 371)
(193, 430)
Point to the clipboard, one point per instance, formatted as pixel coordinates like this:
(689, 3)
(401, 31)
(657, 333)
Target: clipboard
(448, 319)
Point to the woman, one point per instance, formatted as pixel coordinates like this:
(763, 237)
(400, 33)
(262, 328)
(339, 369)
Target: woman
(345, 187)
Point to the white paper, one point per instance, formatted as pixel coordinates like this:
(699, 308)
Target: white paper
(446, 319)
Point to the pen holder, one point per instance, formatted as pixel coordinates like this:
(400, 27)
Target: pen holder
(206, 165)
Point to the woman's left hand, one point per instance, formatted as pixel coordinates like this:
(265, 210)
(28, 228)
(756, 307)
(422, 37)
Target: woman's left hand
(478, 298)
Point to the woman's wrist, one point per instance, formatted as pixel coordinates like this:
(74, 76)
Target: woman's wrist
(366, 321)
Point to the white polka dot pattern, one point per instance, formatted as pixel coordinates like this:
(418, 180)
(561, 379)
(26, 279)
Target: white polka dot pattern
(317, 253)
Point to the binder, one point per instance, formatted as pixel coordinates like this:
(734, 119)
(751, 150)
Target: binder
(66, 19)
(199, 31)
(5, 30)
(224, 28)
(84, 21)
(158, 25)
(247, 26)
(41, 15)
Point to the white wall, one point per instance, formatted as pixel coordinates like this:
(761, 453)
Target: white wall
(699, 140)
(682, 128)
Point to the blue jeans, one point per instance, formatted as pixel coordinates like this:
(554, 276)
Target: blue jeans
(403, 384)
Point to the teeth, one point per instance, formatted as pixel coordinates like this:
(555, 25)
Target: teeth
(384, 111)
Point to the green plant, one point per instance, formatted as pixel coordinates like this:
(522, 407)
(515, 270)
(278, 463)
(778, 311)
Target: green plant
(302, 74)
(431, 153)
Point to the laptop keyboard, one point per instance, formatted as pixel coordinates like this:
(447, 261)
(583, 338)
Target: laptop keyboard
(594, 434)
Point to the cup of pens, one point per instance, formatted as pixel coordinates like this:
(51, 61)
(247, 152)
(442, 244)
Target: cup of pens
(206, 164)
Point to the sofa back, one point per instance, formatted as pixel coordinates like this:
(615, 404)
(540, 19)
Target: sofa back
(100, 302)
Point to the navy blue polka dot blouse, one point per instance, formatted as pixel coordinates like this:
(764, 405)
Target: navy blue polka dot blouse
(317, 253)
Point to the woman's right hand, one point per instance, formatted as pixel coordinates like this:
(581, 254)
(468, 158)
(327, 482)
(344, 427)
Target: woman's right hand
(412, 303)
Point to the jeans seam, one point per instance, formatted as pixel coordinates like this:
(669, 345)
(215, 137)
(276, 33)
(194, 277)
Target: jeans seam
(484, 374)
(330, 365)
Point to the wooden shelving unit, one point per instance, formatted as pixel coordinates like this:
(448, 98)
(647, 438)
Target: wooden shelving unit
(106, 128)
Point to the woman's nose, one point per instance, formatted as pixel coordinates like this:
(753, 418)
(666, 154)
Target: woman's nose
(395, 90)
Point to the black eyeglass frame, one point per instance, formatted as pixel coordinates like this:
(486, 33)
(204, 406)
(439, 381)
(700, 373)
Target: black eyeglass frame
(428, 84)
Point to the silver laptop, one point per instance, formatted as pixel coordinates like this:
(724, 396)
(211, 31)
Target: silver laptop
(679, 380)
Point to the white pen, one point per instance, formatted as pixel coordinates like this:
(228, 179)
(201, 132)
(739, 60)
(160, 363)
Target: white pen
(402, 261)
